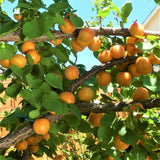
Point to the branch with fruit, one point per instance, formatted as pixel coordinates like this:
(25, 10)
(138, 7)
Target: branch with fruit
(14, 36)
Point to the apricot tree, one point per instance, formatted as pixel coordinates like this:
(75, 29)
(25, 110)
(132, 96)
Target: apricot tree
(113, 108)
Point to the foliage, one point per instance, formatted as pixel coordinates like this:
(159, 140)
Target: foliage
(39, 87)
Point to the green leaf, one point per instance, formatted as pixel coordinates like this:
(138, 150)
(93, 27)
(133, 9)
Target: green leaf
(32, 81)
(34, 114)
(61, 56)
(77, 21)
(1, 87)
(8, 28)
(152, 83)
(51, 102)
(130, 137)
(72, 120)
(108, 120)
(7, 51)
(33, 96)
(45, 87)
(104, 12)
(84, 127)
(15, 69)
(129, 123)
(54, 80)
(156, 52)
(57, 18)
(37, 3)
(105, 134)
(126, 10)
(31, 29)
(57, 7)
(139, 152)
(75, 110)
(13, 89)
(45, 22)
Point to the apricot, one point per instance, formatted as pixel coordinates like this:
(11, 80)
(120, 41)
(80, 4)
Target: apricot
(95, 44)
(131, 40)
(94, 119)
(140, 94)
(85, 36)
(124, 79)
(67, 97)
(136, 29)
(68, 26)
(143, 65)
(119, 145)
(56, 42)
(103, 78)
(71, 72)
(153, 59)
(5, 63)
(117, 51)
(75, 46)
(133, 70)
(104, 56)
(85, 94)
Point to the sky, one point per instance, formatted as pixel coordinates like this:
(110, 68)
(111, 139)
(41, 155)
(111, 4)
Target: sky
(141, 9)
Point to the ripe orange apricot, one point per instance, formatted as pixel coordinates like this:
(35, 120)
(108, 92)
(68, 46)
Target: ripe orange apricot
(117, 51)
(17, 17)
(46, 136)
(27, 46)
(94, 119)
(124, 79)
(85, 36)
(21, 146)
(35, 56)
(110, 158)
(68, 26)
(131, 40)
(67, 97)
(136, 29)
(95, 44)
(104, 56)
(119, 145)
(71, 72)
(133, 70)
(18, 60)
(57, 41)
(85, 94)
(140, 94)
(103, 78)
(33, 140)
(131, 49)
(143, 65)
(75, 46)
(41, 126)
(33, 148)
(133, 107)
(153, 59)
(59, 157)
(5, 63)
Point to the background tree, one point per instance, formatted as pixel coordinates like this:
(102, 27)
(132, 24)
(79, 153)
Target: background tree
(111, 111)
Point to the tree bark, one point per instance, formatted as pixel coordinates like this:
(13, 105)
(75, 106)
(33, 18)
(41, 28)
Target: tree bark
(14, 36)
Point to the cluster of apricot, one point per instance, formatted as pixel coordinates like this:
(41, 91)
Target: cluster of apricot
(28, 48)
(41, 127)
(84, 94)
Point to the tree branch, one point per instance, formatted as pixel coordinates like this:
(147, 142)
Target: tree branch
(14, 36)
(76, 83)
(86, 107)
(23, 133)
